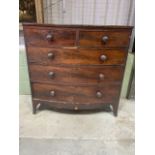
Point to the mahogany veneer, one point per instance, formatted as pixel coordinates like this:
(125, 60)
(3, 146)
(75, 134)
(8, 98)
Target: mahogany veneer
(76, 67)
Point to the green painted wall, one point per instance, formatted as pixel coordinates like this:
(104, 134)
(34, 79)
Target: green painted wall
(24, 85)
(127, 74)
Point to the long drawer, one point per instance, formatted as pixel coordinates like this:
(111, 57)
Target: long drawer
(57, 56)
(76, 94)
(76, 75)
(69, 105)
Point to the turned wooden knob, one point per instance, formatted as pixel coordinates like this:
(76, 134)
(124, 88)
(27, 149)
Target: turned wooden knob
(105, 39)
(51, 74)
(101, 76)
(103, 57)
(50, 55)
(76, 108)
(52, 93)
(49, 37)
(98, 94)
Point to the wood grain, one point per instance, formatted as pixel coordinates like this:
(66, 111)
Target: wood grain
(37, 37)
(68, 105)
(82, 75)
(76, 94)
(73, 56)
(76, 57)
(94, 38)
(78, 27)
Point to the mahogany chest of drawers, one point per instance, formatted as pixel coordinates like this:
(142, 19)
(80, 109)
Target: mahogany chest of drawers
(76, 67)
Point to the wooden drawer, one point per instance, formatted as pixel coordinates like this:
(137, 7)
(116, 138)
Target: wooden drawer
(76, 94)
(50, 37)
(104, 38)
(69, 105)
(76, 57)
(76, 75)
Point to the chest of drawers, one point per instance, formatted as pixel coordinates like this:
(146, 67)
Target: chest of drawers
(76, 67)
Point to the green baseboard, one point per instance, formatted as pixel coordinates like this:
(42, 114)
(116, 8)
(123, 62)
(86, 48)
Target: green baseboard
(24, 85)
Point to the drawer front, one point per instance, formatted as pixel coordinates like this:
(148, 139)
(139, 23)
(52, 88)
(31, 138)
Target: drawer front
(104, 38)
(80, 75)
(69, 105)
(50, 56)
(50, 37)
(76, 94)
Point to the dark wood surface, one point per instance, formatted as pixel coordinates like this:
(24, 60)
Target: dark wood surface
(37, 37)
(80, 79)
(76, 56)
(82, 75)
(76, 27)
(67, 105)
(94, 38)
(76, 94)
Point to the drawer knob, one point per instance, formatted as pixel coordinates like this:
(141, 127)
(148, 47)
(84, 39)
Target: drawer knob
(52, 93)
(51, 74)
(98, 94)
(76, 108)
(105, 39)
(50, 55)
(49, 37)
(101, 76)
(103, 57)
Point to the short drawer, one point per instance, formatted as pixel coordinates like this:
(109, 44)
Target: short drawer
(104, 38)
(76, 94)
(76, 75)
(51, 56)
(50, 37)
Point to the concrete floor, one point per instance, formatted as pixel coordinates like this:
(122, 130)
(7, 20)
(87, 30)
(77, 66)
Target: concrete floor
(54, 133)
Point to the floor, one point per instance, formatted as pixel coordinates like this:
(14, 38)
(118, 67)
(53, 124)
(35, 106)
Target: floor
(98, 133)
